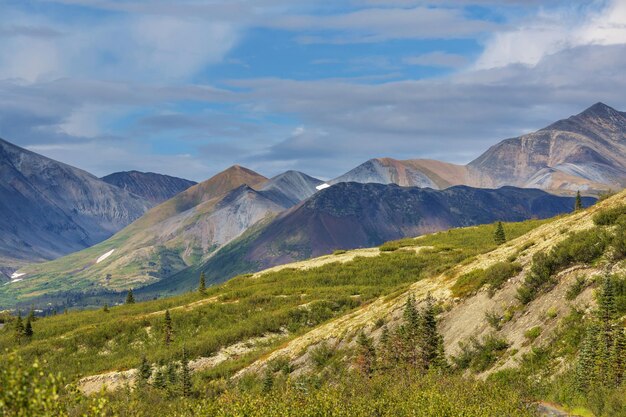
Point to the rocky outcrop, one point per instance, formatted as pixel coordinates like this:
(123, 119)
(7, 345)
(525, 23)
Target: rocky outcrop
(290, 188)
(156, 188)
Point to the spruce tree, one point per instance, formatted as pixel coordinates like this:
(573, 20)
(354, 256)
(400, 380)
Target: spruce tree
(145, 371)
(578, 204)
(130, 298)
(385, 356)
(411, 315)
(407, 333)
(607, 310)
(499, 236)
(31, 315)
(366, 354)
(19, 328)
(586, 366)
(167, 328)
(159, 378)
(268, 380)
(618, 357)
(431, 342)
(171, 373)
(202, 284)
(185, 376)
(28, 328)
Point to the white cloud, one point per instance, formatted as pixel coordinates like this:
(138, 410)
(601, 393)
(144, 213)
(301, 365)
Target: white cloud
(380, 24)
(178, 47)
(549, 32)
(137, 47)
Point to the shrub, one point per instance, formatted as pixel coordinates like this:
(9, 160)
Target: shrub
(29, 390)
(581, 247)
(494, 319)
(532, 333)
(551, 313)
(389, 247)
(495, 276)
(322, 354)
(609, 216)
(480, 355)
(576, 288)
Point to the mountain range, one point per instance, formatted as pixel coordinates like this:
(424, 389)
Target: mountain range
(183, 231)
(586, 152)
(49, 209)
(239, 220)
(353, 215)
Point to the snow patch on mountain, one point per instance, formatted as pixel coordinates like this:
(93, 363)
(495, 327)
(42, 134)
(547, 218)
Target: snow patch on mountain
(106, 255)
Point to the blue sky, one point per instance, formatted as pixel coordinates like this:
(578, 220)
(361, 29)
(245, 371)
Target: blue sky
(189, 88)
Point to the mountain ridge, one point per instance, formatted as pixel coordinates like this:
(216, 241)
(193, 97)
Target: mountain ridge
(50, 209)
(151, 186)
(585, 152)
(354, 215)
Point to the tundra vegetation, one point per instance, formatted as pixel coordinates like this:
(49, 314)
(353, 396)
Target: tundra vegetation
(402, 372)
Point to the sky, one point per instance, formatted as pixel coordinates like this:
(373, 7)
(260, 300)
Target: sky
(188, 88)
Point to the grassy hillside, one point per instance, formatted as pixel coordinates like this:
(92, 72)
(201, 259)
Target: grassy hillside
(291, 335)
(246, 306)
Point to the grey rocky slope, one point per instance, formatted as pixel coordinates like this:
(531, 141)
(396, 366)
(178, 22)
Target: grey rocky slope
(585, 152)
(156, 188)
(48, 209)
(290, 188)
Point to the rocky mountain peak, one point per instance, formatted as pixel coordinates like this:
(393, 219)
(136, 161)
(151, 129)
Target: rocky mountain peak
(600, 110)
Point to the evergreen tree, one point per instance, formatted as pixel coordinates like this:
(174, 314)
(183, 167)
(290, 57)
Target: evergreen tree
(385, 356)
(159, 378)
(411, 315)
(602, 366)
(578, 205)
(171, 373)
(498, 236)
(431, 342)
(19, 328)
(268, 380)
(105, 308)
(407, 343)
(366, 354)
(31, 315)
(440, 361)
(145, 371)
(130, 298)
(607, 310)
(28, 328)
(586, 366)
(185, 376)
(618, 357)
(202, 284)
(167, 328)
